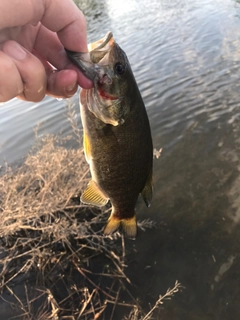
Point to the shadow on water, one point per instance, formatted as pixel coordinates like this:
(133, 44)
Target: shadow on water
(197, 238)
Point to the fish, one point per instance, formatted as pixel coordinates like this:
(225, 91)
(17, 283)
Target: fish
(116, 135)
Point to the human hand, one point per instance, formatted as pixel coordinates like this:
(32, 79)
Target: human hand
(33, 34)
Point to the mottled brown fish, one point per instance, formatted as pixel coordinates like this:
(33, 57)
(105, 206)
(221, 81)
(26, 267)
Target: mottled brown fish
(117, 136)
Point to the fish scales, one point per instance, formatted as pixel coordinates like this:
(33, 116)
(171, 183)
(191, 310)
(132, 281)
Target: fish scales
(119, 156)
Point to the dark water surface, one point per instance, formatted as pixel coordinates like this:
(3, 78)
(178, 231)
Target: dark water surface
(185, 56)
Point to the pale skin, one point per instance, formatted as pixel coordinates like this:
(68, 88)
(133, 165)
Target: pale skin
(33, 33)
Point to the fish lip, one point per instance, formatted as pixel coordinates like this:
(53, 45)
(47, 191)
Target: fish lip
(86, 66)
(87, 61)
(101, 44)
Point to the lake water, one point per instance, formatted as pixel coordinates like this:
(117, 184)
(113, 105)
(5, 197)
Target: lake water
(186, 58)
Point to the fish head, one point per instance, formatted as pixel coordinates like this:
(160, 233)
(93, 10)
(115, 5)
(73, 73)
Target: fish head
(108, 66)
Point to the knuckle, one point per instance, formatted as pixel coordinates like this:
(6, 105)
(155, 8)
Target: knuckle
(10, 79)
(83, 19)
(3, 97)
(34, 77)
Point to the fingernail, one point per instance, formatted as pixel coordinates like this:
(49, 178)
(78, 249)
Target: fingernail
(70, 88)
(14, 50)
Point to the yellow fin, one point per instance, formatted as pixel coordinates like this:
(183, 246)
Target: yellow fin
(93, 195)
(112, 225)
(86, 146)
(147, 190)
(129, 227)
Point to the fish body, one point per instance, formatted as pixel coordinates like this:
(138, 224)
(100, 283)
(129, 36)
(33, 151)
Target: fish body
(117, 136)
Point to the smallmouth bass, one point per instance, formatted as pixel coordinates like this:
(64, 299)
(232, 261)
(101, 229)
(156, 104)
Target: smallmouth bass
(117, 136)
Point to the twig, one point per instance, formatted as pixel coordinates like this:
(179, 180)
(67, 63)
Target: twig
(89, 280)
(168, 294)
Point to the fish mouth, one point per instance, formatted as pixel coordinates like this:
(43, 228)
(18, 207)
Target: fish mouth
(87, 61)
(95, 66)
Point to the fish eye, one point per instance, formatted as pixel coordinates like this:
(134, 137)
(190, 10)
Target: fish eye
(119, 68)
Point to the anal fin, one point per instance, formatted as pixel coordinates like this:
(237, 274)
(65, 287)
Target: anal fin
(93, 195)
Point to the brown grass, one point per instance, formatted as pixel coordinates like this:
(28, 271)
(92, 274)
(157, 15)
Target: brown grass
(52, 245)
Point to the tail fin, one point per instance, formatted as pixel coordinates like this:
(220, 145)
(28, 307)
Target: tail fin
(129, 226)
(112, 225)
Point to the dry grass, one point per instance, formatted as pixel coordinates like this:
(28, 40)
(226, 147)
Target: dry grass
(54, 244)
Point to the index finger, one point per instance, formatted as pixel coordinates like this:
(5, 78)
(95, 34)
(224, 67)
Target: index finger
(15, 13)
(69, 23)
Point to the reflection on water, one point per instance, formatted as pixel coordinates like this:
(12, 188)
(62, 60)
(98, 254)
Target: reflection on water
(186, 58)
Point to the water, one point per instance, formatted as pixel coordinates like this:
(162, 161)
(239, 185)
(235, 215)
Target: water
(185, 56)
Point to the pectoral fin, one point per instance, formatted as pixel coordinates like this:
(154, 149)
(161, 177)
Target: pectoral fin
(86, 146)
(147, 190)
(93, 195)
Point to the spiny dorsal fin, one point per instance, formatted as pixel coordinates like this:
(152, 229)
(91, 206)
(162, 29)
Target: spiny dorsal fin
(129, 226)
(147, 190)
(93, 195)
